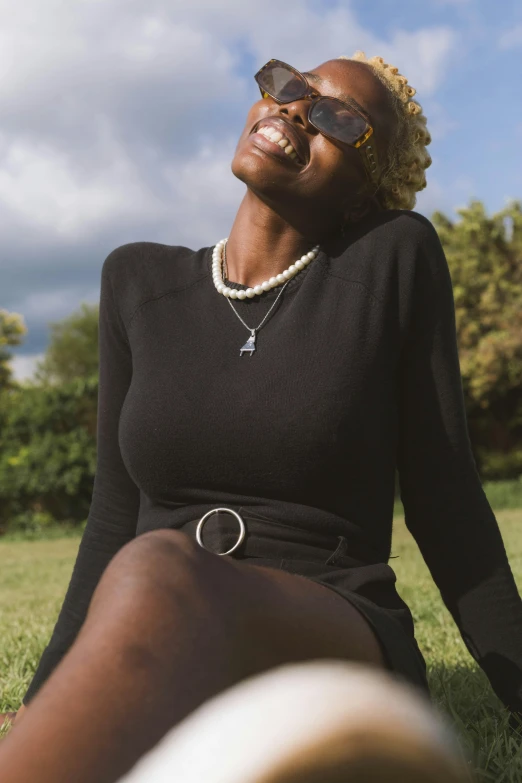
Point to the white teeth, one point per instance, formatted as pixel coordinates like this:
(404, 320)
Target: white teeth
(278, 138)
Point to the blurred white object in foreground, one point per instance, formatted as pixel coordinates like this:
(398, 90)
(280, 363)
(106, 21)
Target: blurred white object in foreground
(323, 721)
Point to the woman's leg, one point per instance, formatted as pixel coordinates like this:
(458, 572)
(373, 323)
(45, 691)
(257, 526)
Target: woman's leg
(170, 625)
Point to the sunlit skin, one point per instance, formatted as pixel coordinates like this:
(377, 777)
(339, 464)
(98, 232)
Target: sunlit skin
(287, 209)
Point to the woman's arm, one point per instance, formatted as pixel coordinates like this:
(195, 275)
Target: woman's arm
(115, 502)
(446, 509)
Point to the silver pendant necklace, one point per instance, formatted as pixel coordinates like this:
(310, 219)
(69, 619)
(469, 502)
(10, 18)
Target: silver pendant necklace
(250, 345)
(219, 263)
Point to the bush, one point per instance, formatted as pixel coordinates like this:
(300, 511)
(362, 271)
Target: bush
(499, 465)
(48, 454)
(32, 522)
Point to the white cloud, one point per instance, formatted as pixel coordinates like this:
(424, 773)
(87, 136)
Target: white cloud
(511, 38)
(204, 194)
(424, 57)
(422, 53)
(98, 99)
(41, 183)
(119, 119)
(53, 304)
(23, 367)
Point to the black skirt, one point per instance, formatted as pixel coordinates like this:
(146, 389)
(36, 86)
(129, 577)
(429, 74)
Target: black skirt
(369, 586)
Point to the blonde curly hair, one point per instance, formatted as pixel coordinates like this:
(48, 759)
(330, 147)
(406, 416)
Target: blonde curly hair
(403, 175)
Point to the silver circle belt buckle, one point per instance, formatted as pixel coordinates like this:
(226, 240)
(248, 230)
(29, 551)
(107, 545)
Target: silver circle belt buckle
(204, 519)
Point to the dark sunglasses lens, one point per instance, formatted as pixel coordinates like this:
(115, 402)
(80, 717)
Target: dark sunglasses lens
(282, 83)
(337, 120)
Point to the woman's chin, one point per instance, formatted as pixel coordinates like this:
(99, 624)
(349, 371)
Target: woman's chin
(259, 170)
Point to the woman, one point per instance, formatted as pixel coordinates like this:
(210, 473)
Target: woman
(283, 393)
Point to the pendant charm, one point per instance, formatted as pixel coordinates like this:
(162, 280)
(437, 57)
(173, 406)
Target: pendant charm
(250, 344)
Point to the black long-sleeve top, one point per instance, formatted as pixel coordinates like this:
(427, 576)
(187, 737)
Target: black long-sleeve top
(356, 371)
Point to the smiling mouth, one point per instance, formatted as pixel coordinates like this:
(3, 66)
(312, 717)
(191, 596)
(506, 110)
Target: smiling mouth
(272, 140)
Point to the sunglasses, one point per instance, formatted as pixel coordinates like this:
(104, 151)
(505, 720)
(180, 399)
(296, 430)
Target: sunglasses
(334, 118)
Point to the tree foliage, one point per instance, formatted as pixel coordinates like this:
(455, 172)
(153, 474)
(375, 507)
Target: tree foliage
(73, 348)
(48, 452)
(485, 260)
(12, 331)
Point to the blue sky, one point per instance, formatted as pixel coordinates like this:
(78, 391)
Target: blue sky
(118, 121)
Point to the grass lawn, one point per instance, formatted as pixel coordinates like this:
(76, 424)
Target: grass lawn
(34, 576)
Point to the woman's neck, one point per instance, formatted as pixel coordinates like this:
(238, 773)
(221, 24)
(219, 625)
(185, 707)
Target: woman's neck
(262, 243)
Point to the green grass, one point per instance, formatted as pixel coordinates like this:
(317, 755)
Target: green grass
(34, 576)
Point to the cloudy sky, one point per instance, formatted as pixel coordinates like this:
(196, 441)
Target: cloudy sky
(119, 119)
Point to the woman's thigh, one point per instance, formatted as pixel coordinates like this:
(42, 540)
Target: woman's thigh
(293, 618)
(269, 615)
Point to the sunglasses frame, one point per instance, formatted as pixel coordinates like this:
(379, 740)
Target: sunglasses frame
(369, 154)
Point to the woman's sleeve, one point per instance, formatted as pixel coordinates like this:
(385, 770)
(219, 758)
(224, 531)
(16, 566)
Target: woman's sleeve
(446, 509)
(114, 508)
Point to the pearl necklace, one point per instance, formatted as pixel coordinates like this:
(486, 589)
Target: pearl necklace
(234, 293)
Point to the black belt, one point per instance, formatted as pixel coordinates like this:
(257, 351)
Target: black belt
(247, 535)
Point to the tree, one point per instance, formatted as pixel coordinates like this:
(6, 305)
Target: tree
(485, 259)
(47, 454)
(12, 331)
(73, 349)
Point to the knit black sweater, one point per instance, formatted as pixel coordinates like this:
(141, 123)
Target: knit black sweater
(356, 371)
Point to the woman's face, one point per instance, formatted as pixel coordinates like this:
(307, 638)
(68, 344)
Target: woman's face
(330, 175)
